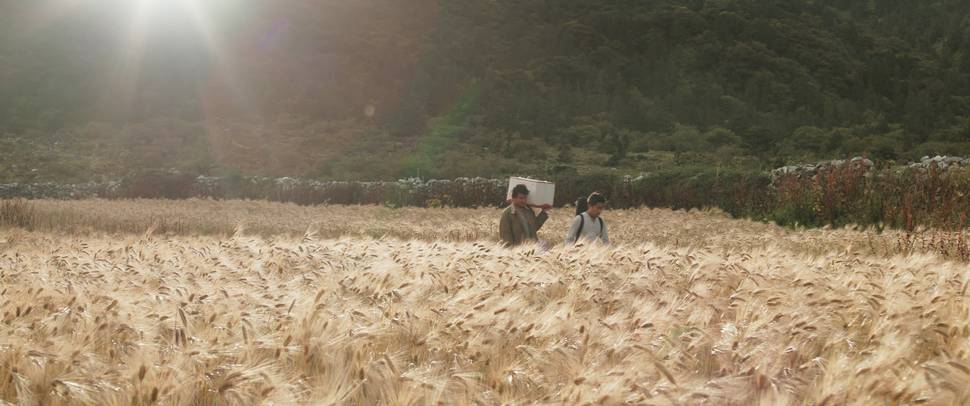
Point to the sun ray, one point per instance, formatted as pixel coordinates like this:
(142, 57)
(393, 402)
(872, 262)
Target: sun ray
(125, 77)
(221, 62)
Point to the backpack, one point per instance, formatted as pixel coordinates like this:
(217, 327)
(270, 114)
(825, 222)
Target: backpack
(582, 222)
(581, 205)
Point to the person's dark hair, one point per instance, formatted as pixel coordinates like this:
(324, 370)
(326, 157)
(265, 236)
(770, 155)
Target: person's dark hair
(520, 190)
(596, 198)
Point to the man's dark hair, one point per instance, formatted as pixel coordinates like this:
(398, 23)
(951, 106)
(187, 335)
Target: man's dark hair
(596, 198)
(520, 190)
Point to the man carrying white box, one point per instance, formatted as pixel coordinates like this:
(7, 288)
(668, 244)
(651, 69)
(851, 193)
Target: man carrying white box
(519, 224)
(540, 192)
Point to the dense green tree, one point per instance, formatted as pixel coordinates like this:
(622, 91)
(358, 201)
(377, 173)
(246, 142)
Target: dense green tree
(322, 86)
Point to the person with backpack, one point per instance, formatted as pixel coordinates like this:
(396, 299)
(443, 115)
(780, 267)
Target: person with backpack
(588, 226)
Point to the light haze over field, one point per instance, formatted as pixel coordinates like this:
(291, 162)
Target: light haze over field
(381, 89)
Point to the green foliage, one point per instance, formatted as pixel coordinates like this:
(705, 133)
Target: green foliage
(443, 134)
(885, 198)
(452, 88)
(718, 137)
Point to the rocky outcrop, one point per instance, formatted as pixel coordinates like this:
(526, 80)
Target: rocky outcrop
(946, 163)
(810, 170)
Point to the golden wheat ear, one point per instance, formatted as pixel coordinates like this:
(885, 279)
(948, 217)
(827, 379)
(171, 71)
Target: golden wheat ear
(311, 234)
(239, 230)
(152, 228)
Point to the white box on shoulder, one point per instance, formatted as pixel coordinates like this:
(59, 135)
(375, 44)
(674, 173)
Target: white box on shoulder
(540, 191)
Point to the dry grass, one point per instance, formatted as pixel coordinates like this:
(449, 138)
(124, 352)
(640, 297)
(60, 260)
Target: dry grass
(17, 213)
(698, 229)
(688, 308)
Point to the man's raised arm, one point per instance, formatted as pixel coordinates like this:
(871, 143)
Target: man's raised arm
(543, 216)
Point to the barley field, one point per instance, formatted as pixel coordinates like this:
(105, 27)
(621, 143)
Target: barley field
(237, 303)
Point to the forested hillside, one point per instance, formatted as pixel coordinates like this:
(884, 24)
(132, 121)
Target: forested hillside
(381, 89)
